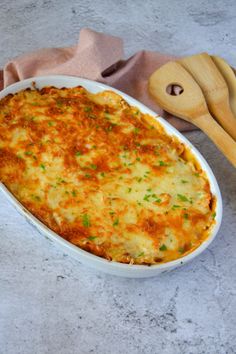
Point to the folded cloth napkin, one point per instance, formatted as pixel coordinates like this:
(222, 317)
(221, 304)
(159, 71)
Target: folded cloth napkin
(98, 57)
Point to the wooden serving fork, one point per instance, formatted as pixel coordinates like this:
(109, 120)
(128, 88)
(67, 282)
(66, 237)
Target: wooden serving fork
(189, 105)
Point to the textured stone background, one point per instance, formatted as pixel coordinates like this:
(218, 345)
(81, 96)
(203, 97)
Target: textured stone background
(51, 304)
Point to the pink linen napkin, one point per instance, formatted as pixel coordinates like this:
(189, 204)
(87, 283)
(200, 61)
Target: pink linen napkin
(98, 57)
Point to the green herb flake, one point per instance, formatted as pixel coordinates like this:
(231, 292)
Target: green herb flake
(36, 198)
(92, 238)
(214, 215)
(163, 248)
(162, 163)
(116, 222)
(28, 153)
(184, 181)
(87, 175)
(197, 174)
(140, 254)
(78, 153)
(146, 197)
(42, 166)
(93, 167)
(136, 130)
(74, 193)
(149, 190)
(158, 200)
(185, 216)
(111, 212)
(102, 174)
(129, 190)
(87, 109)
(139, 179)
(86, 220)
(138, 159)
(175, 206)
(59, 103)
(50, 124)
(181, 250)
(183, 198)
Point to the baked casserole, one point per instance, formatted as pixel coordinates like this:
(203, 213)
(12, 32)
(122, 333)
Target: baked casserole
(103, 175)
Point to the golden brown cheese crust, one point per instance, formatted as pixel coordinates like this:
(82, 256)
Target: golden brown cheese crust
(103, 175)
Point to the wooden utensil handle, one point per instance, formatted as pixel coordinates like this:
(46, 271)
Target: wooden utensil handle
(224, 116)
(218, 135)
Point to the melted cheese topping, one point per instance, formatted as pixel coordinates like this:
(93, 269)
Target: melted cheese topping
(103, 175)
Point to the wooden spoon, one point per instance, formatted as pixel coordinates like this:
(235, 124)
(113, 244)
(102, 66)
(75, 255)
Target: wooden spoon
(214, 88)
(230, 78)
(189, 105)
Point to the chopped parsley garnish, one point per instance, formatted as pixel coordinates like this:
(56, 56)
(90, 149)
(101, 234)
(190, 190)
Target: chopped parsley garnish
(86, 220)
(183, 198)
(28, 153)
(214, 215)
(175, 206)
(87, 109)
(78, 153)
(162, 163)
(111, 212)
(129, 190)
(163, 248)
(92, 238)
(149, 189)
(196, 174)
(50, 124)
(93, 167)
(146, 197)
(181, 250)
(116, 222)
(102, 174)
(74, 193)
(36, 197)
(146, 174)
(184, 181)
(43, 167)
(136, 130)
(60, 180)
(138, 159)
(87, 175)
(185, 216)
(139, 179)
(158, 200)
(140, 254)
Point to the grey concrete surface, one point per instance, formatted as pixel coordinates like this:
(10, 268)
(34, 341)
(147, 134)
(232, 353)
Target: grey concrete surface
(49, 303)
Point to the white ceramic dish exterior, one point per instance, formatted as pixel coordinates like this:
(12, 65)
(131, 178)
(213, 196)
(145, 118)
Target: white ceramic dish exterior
(119, 269)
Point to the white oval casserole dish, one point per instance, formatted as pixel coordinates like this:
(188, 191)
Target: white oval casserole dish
(115, 268)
